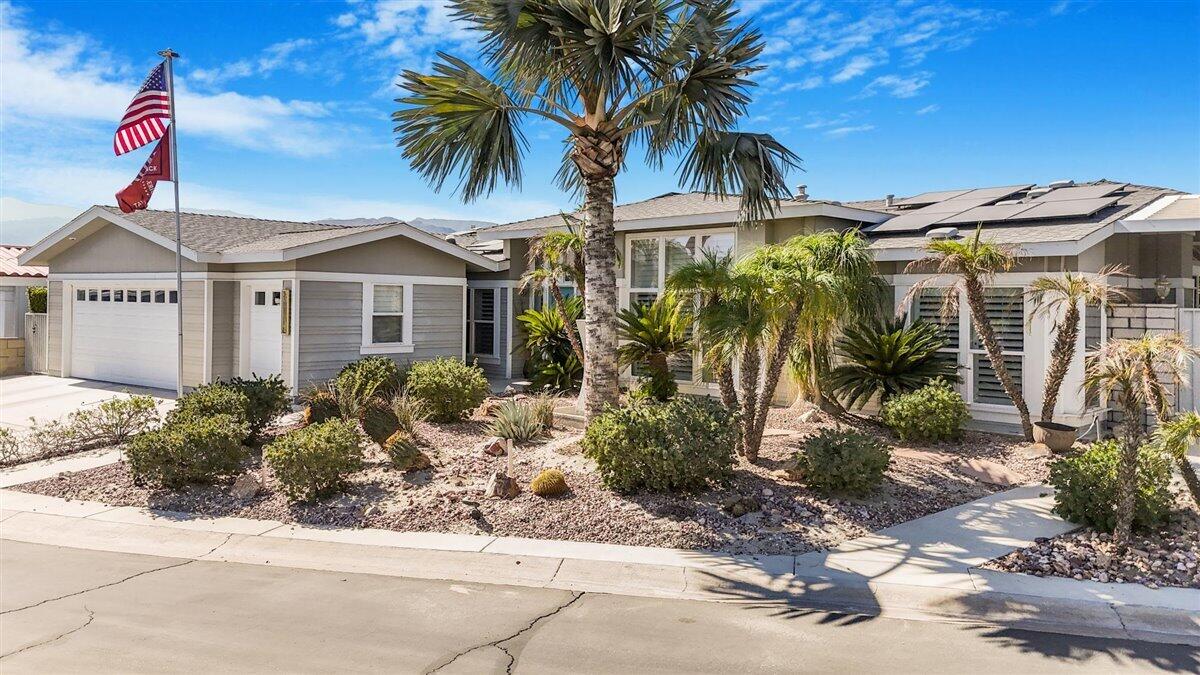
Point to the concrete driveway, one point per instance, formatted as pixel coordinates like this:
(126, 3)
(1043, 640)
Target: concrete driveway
(46, 398)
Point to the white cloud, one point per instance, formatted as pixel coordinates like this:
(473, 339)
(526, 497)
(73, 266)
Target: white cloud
(811, 82)
(855, 67)
(931, 108)
(842, 132)
(407, 30)
(69, 78)
(898, 86)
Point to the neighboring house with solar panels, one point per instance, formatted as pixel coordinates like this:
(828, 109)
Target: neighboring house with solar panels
(1060, 226)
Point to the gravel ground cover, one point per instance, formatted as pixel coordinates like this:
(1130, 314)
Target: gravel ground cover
(760, 511)
(1166, 556)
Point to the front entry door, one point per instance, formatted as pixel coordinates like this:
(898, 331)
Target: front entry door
(264, 336)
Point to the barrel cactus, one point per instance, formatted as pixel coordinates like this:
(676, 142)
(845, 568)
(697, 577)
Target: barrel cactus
(322, 407)
(548, 483)
(402, 449)
(378, 420)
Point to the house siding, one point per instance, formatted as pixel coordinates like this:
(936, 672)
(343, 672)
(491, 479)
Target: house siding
(194, 309)
(112, 249)
(438, 322)
(397, 255)
(224, 329)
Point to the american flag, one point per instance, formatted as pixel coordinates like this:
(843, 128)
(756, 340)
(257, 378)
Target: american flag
(146, 118)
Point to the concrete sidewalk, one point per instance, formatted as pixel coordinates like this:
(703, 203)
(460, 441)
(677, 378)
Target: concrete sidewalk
(925, 569)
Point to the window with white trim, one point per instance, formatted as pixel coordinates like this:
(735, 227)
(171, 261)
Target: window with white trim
(481, 321)
(387, 314)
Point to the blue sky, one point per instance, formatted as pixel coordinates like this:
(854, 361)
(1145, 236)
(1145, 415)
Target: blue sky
(284, 107)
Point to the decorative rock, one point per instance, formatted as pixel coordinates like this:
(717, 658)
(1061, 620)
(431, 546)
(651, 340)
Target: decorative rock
(246, 487)
(493, 446)
(740, 506)
(500, 486)
(509, 391)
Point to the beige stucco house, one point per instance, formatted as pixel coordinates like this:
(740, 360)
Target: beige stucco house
(259, 296)
(1062, 226)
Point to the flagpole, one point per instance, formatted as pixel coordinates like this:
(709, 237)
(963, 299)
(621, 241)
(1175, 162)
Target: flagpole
(169, 56)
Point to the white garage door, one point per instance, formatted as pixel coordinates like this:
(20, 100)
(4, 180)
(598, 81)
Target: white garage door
(124, 334)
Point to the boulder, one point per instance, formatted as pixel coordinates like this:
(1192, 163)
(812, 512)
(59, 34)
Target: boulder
(494, 446)
(500, 486)
(246, 487)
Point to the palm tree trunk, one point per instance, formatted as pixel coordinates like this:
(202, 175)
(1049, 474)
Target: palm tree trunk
(1127, 472)
(983, 326)
(749, 377)
(775, 363)
(600, 303)
(725, 384)
(1061, 356)
(569, 325)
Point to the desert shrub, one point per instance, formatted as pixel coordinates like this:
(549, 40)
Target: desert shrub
(409, 411)
(543, 408)
(367, 378)
(37, 295)
(320, 405)
(378, 420)
(517, 420)
(847, 462)
(450, 388)
(266, 399)
(1086, 486)
(314, 461)
(117, 420)
(191, 449)
(548, 483)
(932, 413)
(10, 446)
(682, 444)
(208, 400)
(886, 358)
(401, 448)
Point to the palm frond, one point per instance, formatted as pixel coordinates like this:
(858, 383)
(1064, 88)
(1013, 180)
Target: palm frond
(751, 166)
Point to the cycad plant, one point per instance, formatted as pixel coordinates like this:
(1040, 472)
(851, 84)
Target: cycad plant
(1061, 296)
(886, 358)
(973, 263)
(554, 256)
(652, 334)
(552, 362)
(671, 78)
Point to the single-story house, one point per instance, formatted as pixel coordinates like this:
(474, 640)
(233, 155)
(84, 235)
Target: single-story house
(1065, 225)
(15, 280)
(259, 296)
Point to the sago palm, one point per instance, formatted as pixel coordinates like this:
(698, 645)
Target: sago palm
(1061, 296)
(973, 263)
(885, 358)
(669, 78)
(554, 256)
(652, 334)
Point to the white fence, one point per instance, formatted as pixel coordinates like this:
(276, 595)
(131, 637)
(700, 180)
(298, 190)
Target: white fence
(37, 345)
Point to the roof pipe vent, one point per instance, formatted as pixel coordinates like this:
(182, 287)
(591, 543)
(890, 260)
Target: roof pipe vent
(889, 200)
(942, 233)
(801, 193)
(1054, 185)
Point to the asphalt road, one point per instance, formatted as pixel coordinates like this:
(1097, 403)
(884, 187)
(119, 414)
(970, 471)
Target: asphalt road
(70, 610)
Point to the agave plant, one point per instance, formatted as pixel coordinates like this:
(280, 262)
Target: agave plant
(517, 421)
(886, 358)
(652, 334)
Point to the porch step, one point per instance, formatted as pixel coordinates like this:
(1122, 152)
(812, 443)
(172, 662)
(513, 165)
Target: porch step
(569, 417)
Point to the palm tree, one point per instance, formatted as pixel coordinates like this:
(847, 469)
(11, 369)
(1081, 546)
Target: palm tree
(669, 77)
(706, 282)
(1158, 355)
(652, 334)
(974, 264)
(557, 255)
(1062, 295)
(1174, 437)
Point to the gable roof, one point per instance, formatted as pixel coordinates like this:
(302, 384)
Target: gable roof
(238, 239)
(10, 267)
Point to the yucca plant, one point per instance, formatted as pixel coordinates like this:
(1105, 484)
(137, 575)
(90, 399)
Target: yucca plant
(652, 334)
(886, 358)
(517, 421)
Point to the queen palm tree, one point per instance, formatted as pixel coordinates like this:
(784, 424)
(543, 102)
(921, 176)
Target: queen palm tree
(671, 78)
(557, 255)
(706, 282)
(1062, 295)
(973, 263)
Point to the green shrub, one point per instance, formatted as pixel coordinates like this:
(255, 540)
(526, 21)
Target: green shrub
(548, 483)
(932, 413)
(1086, 486)
(682, 444)
(518, 421)
(114, 421)
(402, 449)
(208, 400)
(315, 460)
(320, 405)
(266, 399)
(378, 420)
(886, 358)
(409, 411)
(450, 388)
(37, 295)
(847, 462)
(364, 379)
(544, 405)
(657, 386)
(195, 449)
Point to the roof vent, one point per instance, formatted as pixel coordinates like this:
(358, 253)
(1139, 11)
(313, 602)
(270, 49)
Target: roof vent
(1054, 185)
(801, 192)
(942, 233)
(1038, 192)
(1008, 202)
(889, 200)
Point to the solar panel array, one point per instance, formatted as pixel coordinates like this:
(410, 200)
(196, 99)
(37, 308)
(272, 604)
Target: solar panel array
(960, 207)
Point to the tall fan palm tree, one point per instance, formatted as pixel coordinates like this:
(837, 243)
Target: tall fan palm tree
(671, 78)
(1062, 295)
(554, 256)
(974, 263)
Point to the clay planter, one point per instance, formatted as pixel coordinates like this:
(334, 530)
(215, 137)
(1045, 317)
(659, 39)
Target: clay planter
(1057, 437)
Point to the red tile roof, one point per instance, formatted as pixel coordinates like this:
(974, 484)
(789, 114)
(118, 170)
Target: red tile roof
(10, 268)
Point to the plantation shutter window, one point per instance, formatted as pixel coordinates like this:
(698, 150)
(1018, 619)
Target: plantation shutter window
(387, 314)
(643, 265)
(481, 324)
(929, 309)
(1005, 309)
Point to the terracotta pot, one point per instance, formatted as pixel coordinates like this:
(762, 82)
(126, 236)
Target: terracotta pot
(1057, 437)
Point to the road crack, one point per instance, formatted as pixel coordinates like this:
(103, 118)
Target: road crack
(90, 618)
(498, 644)
(118, 581)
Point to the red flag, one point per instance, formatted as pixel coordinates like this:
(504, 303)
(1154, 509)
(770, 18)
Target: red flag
(157, 167)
